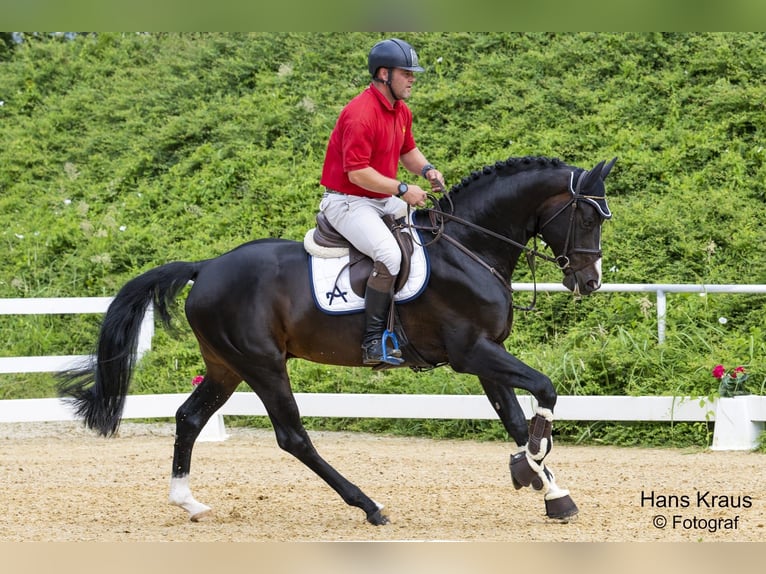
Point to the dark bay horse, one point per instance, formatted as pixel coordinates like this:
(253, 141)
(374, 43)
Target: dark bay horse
(251, 310)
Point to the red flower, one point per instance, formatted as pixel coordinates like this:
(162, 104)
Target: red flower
(197, 380)
(731, 382)
(719, 371)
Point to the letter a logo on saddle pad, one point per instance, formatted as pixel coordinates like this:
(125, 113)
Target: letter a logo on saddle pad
(331, 281)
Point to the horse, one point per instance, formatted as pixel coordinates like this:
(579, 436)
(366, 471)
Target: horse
(251, 311)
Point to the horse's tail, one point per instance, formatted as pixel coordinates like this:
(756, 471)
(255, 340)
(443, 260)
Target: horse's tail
(97, 390)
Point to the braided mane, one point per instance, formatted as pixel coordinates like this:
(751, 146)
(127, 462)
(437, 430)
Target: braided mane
(509, 166)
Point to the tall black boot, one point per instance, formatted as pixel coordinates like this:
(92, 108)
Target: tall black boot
(377, 304)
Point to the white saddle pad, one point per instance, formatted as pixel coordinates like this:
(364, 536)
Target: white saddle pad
(331, 288)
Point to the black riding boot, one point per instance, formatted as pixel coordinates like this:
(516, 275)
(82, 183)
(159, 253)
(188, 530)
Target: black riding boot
(377, 304)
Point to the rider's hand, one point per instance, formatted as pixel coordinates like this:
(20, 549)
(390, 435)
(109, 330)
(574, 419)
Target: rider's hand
(436, 179)
(415, 196)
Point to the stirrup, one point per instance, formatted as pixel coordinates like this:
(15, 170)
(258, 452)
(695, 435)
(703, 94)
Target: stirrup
(375, 353)
(395, 358)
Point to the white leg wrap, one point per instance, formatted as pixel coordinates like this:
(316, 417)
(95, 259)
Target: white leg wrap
(547, 414)
(552, 490)
(537, 467)
(180, 495)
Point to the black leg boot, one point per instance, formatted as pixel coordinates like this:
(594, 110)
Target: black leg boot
(377, 304)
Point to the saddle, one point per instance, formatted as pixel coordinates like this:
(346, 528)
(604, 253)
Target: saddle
(359, 264)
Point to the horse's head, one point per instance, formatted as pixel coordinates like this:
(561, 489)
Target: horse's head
(571, 224)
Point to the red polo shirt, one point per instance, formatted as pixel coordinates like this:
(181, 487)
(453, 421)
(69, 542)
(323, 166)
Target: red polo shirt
(369, 133)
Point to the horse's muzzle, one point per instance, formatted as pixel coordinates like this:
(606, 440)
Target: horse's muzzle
(584, 281)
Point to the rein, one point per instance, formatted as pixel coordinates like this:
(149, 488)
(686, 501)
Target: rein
(437, 216)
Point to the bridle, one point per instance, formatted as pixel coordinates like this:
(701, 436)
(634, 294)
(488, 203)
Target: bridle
(563, 261)
(437, 217)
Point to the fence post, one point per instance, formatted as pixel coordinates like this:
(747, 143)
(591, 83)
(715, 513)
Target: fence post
(214, 430)
(146, 333)
(662, 308)
(734, 428)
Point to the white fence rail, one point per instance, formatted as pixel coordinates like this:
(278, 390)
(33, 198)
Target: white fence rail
(63, 306)
(659, 289)
(738, 421)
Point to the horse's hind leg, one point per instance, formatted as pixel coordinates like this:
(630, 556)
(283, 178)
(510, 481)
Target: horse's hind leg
(273, 388)
(191, 417)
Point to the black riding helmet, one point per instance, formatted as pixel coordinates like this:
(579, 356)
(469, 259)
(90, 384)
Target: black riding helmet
(392, 53)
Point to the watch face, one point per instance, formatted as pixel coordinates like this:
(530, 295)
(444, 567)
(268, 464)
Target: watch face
(402, 188)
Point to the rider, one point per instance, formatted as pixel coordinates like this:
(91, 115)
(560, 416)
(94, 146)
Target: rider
(372, 135)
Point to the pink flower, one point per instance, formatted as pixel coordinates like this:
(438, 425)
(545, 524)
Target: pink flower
(719, 371)
(197, 380)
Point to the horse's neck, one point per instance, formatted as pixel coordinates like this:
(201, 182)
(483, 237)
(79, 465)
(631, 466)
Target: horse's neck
(509, 204)
(508, 207)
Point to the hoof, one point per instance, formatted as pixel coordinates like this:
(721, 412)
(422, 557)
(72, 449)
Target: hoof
(522, 474)
(200, 515)
(377, 518)
(562, 508)
(197, 511)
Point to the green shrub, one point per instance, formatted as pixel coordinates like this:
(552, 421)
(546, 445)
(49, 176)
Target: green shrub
(122, 151)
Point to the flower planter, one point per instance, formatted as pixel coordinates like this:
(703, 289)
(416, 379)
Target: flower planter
(734, 427)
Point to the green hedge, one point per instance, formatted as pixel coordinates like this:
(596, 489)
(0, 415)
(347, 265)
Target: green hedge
(124, 151)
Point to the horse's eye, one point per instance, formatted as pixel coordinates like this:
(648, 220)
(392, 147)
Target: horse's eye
(589, 222)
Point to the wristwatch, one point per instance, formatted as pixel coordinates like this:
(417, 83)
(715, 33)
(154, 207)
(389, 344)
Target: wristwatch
(402, 189)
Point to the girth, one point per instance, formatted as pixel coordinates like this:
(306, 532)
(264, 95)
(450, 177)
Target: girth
(359, 264)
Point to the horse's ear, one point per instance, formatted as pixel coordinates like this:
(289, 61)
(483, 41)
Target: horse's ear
(607, 169)
(590, 176)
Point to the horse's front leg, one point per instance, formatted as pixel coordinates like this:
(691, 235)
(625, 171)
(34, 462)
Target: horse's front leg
(499, 372)
(527, 467)
(191, 417)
